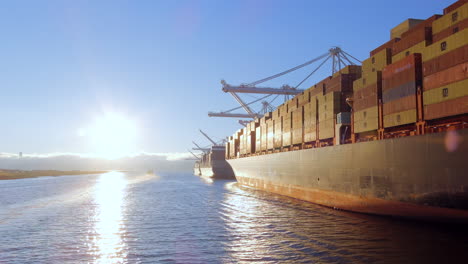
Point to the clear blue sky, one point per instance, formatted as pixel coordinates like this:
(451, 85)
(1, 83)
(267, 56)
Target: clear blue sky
(62, 63)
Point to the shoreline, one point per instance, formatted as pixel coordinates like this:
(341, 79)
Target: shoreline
(25, 174)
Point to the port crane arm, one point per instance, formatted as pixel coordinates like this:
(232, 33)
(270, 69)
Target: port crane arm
(226, 114)
(212, 141)
(244, 105)
(200, 148)
(338, 56)
(285, 89)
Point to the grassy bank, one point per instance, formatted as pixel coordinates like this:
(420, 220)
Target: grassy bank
(22, 174)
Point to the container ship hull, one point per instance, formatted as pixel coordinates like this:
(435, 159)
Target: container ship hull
(214, 165)
(418, 177)
(219, 169)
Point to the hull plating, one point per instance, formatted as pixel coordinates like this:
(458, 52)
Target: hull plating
(422, 177)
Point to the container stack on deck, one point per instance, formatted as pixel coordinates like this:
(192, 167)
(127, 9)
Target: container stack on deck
(416, 83)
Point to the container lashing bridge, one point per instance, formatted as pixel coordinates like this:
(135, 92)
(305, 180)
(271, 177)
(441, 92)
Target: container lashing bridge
(338, 57)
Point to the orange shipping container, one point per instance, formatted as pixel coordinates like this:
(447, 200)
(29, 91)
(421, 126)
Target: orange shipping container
(446, 61)
(452, 107)
(400, 105)
(448, 76)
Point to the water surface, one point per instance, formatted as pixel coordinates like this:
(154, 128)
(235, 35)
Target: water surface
(180, 218)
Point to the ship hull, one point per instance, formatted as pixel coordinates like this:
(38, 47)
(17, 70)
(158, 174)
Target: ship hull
(419, 177)
(218, 169)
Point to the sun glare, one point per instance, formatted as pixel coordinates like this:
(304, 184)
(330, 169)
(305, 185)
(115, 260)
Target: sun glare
(111, 135)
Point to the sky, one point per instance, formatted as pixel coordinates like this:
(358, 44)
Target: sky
(78, 76)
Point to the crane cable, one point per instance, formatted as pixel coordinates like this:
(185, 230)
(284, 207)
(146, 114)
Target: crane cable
(288, 71)
(239, 107)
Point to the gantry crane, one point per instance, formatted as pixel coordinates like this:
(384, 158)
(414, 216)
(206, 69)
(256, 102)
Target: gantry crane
(200, 148)
(339, 58)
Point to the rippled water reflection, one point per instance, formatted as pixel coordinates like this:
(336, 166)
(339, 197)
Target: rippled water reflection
(109, 225)
(180, 218)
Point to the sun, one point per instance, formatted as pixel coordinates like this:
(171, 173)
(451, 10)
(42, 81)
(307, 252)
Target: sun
(111, 135)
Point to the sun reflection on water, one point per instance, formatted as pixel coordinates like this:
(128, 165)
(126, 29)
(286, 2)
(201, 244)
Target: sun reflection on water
(109, 225)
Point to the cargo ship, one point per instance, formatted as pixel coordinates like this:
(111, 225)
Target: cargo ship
(388, 137)
(213, 164)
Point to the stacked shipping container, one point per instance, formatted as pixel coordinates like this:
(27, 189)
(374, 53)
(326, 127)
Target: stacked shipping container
(445, 67)
(368, 91)
(431, 54)
(400, 82)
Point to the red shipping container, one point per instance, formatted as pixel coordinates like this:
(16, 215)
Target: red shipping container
(367, 97)
(448, 108)
(446, 61)
(399, 105)
(415, 37)
(402, 71)
(420, 26)
(454, 6)
(450, 31)
(386, 45)
(450, 75)
(340, 83)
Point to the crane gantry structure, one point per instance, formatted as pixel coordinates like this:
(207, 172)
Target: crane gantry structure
(339, 59)
(206, 149)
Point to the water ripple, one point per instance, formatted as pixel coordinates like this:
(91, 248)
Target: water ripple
(180, 218)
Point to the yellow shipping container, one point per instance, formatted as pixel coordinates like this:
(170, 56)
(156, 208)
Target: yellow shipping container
(450, 43)
(310, 111)
(310, 120)
(297, 126)
(445, 93)
(286, 132)
(258, 139)
(404, 26)
(366, 120)
(418, 48)
(367, 79)
(327, 128)
(329, 104)
(264, 133)
(270, 133)
(278, 133)
(450, 19)
(377, 62)
(401, 118)
(304, 97)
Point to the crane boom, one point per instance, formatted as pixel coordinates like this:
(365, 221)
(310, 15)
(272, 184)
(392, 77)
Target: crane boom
(285, 89)
(200, 148)
(204, 134)
(225, 114)
(245, 106)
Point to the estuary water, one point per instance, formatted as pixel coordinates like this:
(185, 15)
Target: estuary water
(180, 218)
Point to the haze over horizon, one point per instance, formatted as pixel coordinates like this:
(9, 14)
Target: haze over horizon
(119, 80)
